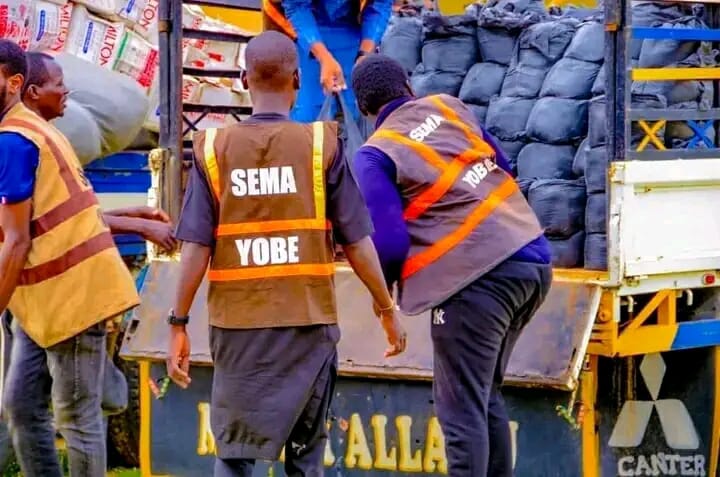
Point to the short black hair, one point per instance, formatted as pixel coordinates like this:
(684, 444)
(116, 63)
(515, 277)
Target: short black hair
(271, 60)
(37, 70)
(12, 59)
(376, 81)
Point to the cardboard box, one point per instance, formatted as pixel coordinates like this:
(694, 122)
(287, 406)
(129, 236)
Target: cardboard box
(64, 23)
(142, 15)
(138, 59)
(15, 16)
(107, 9)
(190, 94)
(94, 39)
(46, 25)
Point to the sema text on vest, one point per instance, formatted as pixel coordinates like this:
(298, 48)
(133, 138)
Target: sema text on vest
(430, 124)
(268, 251)
(263, 181)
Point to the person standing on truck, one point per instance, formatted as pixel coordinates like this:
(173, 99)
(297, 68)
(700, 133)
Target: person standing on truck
(331, 36)
(62, 278)
(454, 232)
(263, 203)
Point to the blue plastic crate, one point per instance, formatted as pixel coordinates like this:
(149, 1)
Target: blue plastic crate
(122, 172)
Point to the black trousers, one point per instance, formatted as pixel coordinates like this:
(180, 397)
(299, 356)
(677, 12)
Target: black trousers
(473, 335)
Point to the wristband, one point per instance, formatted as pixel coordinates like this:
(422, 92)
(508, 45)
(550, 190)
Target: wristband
(177, 320)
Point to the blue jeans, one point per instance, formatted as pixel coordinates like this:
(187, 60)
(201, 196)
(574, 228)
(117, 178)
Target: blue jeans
(71, 375)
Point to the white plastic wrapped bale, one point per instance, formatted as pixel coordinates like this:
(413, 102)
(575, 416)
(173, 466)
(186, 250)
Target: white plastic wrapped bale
(15, 16)
(403, 41)
(596, 214)
(545, 161)
(558, 120)
(646, 14)
(142, 15)
(559, 205)
(596, 252)
(46, 25)
(116, 102)
(223, 54)
(81, 129)
(137, 59)
(483, 81)
(94, 39)
(65, 20)
(507, 117)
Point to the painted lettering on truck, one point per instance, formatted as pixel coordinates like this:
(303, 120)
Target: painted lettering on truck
(409, 453)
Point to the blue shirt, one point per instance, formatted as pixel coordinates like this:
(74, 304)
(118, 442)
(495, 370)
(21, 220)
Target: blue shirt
(377, 176)
(19, 159)
(306, 16)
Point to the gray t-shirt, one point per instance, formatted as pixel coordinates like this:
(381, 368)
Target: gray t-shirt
(346, 208)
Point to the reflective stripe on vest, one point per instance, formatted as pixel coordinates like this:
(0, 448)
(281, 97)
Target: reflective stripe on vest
(272, 11)
(320, 222)
(449, 174)
(78, 201)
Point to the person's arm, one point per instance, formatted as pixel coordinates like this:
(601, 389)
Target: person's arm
(375, 18)
(196, 229)
(352, 228)
(300, 14)
(15, 225)
(156, 231)
(19, 159)
(376, 175)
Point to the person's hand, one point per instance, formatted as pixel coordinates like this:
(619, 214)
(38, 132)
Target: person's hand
(153, 213)
(161, 234)
(331, 75)
(178, 359)
(394, 331)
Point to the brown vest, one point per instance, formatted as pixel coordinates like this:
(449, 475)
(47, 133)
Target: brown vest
(464, 214)
(273, 263)
(274, 17)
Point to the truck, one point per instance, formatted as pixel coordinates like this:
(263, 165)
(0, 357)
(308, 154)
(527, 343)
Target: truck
(617, 374)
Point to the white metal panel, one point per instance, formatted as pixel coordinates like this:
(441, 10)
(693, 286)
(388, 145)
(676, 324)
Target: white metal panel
(118, 200)
(664, 217)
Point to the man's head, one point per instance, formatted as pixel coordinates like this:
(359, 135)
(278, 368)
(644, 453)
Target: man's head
(272, 66)
(45, 91)
(378, 80)
(13, 68)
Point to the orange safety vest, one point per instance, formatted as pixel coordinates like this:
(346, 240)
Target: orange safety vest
(273, 244)
(464, 214)
(74, 276)
(275, 19)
